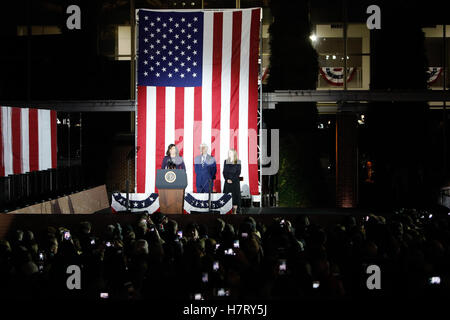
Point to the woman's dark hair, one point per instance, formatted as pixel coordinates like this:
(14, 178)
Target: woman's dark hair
(170, 147)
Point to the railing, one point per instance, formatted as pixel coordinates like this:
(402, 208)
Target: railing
(20, 190)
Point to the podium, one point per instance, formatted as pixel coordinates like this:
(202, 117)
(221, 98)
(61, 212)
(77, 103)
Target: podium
(171, 184)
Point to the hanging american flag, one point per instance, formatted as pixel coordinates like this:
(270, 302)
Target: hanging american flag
(28, 140)
(197, 83)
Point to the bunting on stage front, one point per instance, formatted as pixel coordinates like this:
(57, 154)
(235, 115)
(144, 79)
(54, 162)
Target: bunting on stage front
(197, 83)
(193, 202)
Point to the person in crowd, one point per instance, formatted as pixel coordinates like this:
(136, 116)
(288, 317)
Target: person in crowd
(205, 170)
(231, 173)
(172, 160)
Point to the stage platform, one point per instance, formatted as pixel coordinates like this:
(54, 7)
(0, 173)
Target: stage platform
(39, 222)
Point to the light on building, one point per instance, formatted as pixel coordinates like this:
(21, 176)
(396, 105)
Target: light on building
(327, 57)
(313, 38)
(334, 57)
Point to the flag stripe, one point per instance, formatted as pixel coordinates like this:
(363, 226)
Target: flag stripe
(197, 128)
(45, 139)
(151, 139)
(7, 147)
(253, 102)
(216, 92)
(226, 87)
(34, 139)
(54, 143)
(170, 115)
(160, 126)
(16, 143)
(179, 119)
(188, 138)
(2, 165)
(141, 139)
(234, 92)
(243, 96)
(207, 77)
(26, 139)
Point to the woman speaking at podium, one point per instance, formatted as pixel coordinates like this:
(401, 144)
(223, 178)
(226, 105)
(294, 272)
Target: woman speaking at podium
(172, 160)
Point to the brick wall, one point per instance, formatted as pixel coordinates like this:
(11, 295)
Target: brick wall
(116, 173)
(346, 160)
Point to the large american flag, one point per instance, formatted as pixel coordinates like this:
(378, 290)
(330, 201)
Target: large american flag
(27, 140)
(197, 83)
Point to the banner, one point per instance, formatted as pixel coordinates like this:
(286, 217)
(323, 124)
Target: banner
(198, 202)
(335, 76)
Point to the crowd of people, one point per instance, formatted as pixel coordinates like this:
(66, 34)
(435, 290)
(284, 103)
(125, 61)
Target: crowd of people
(289, 258)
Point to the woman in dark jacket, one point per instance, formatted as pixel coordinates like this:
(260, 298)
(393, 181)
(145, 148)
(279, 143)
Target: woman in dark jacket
(231, 173)
(172, 160)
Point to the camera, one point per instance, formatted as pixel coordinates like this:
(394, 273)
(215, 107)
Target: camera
(434, 280)
(230, 252)
(282, 268)
(244, 235)
(221, 292)
(198, 296)
(316, 284)
(180, 234)
(108, 244)
(236, 244)
(41, 256)
(104, 295)
(93, 241)
(216, 265)
(66, 235)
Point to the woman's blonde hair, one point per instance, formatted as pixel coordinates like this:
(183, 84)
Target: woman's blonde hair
(235, 157)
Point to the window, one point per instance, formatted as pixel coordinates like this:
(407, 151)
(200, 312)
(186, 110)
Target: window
(123, 47)
(38, 30)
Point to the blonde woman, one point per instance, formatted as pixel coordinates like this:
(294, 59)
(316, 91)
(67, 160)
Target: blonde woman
(231, 173)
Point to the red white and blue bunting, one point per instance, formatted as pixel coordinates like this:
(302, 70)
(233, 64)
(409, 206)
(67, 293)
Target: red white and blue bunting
(198, 202)
(335, 76)
(433, 74)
